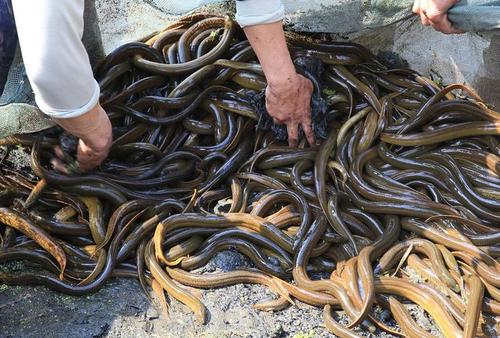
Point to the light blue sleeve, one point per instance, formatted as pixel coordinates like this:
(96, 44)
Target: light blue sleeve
(476, 15)
(257, 12)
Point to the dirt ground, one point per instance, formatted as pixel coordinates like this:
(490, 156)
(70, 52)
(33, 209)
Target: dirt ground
(121, 309)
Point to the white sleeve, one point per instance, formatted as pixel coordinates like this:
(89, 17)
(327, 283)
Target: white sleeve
(258, 12)
(57, 64)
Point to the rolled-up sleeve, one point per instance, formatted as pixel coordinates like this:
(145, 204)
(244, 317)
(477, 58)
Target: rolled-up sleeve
(57, 64)
(258, 12)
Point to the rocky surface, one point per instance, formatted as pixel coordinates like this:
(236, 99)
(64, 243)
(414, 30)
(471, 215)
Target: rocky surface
(121, 309)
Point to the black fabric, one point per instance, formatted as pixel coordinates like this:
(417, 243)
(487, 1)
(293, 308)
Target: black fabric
(8, 40)
(312, 69)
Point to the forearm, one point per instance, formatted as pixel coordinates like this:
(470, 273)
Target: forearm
(56, 61)
(261, 21)
(269, 44)
(92, 127)
(288, 94)
(58, 67)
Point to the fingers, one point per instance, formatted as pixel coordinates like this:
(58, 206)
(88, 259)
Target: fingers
(59, 166)
(443, 25)
(434, 13)
(307, 127)
(94, 146)
(416, 7)
(292, 106)
(277, 120)
(308, 131)
(293, 134)
(305, 110)
(423, 18)
(59, 152)
(89, 158)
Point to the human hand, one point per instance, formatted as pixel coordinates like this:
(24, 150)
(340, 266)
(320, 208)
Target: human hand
(94, 148)
(94, 131)
(434, 13)
(289, 103)
(288, 94)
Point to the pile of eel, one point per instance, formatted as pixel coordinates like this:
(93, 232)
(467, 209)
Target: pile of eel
(399, 203)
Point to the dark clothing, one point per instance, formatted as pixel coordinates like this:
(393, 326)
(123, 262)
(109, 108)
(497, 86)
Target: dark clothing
(8, 40)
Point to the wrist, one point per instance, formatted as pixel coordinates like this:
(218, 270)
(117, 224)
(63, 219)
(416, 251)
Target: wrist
(93, 127)
(283, 81)
(86, 123)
